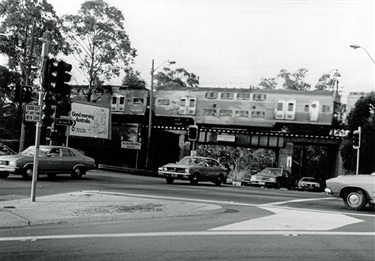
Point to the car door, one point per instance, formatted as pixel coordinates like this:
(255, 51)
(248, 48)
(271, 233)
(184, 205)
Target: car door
(50, 162)
(69, 160)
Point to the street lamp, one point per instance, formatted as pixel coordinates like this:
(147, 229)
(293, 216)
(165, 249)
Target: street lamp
(150, 109)
(357, 46)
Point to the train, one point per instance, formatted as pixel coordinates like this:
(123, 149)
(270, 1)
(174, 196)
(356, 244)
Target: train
(310, 111)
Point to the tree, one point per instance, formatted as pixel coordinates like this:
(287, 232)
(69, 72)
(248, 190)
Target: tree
(26, 22)
(268, 83)
(99, 43)
(294, 81)
(176, 78)
(133, 79)
(362, 116)
(328, 81)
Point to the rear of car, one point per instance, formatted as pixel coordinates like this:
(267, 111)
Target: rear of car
(272, 177)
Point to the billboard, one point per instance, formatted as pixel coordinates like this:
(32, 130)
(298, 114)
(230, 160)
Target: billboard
(90, 120)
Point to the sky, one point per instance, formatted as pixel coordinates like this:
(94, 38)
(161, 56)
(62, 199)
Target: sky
(236, 43)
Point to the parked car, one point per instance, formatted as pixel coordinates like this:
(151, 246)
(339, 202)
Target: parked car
(308, 183)
(53, 160)
(355, 190)
(273, 177)
(195, 169)
(5, 150)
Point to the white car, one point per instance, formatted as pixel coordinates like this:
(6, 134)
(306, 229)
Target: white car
(356, 190)
(308, 183)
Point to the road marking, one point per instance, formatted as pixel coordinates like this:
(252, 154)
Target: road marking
(351, 213)
(287, 219)
(188, 233)
(293, 201)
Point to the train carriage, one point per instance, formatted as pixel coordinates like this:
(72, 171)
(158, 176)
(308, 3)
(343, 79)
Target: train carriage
(246, 107)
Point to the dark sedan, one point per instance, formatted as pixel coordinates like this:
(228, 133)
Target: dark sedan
(195, 169)
(53, 160)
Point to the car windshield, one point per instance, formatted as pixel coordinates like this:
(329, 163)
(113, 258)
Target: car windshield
(309, 179)
(191, 160)
(276, 172)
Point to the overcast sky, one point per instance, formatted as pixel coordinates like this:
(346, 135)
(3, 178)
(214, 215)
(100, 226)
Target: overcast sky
(236, 43)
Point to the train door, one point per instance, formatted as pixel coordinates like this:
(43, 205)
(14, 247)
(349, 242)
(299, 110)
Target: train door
(114, 103)
(183, 107)
(187, 105)
(280, 109)
(290, 110)
(314, 110)
(121, 103)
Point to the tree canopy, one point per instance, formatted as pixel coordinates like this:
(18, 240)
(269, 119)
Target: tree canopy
(99, 43)
(176, 78)
(363, 116)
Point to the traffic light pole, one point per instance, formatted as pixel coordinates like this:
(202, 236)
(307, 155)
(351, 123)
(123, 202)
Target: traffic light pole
(45, 48)
(358, 151)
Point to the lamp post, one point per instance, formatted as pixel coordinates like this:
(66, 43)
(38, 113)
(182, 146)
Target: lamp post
(150, 108)
(354, 46)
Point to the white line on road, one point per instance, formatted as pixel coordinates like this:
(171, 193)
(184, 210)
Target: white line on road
(190, 233)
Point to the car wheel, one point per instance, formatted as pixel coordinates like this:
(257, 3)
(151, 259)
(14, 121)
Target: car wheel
(219, 180)
(194, 179)
(4, 175)
(77, 172)
(28, 173)
(169, 180)
(355, 200)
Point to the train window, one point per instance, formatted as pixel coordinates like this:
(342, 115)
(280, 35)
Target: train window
(243, 96)
(164, 102)
(227, 95)
(306, 108)
(259, 97)
(211, 95)
(225, 113)
(242, 113)
(122, 100)
(191, 102)
(258, 114)
(326, 108)
(211, 112)
(290, 106)
(138, 101)
(182, 102)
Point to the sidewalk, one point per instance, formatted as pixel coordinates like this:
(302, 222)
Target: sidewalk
(93, 206)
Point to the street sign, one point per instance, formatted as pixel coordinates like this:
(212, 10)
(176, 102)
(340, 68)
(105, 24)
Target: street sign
(130, 145)
(64, 122)
(33, 113)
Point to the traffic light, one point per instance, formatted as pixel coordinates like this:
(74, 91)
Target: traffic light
(56, 77)
(26, 93)
(62, 89)
(193, 132)
(49, 110)
(50, 76)
(356, 139)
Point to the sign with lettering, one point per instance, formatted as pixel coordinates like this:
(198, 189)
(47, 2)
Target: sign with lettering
(130, 145)
(33, 113)
(90, 120)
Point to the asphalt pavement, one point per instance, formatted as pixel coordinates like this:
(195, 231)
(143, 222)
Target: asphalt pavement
(93, 206)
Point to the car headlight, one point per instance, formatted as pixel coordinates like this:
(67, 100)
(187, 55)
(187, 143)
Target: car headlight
(12, 164)
(187, 171)
(164, 169)
(253, 178)
(272, 180)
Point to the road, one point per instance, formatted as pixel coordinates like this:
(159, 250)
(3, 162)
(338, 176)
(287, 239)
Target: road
(255, 224)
